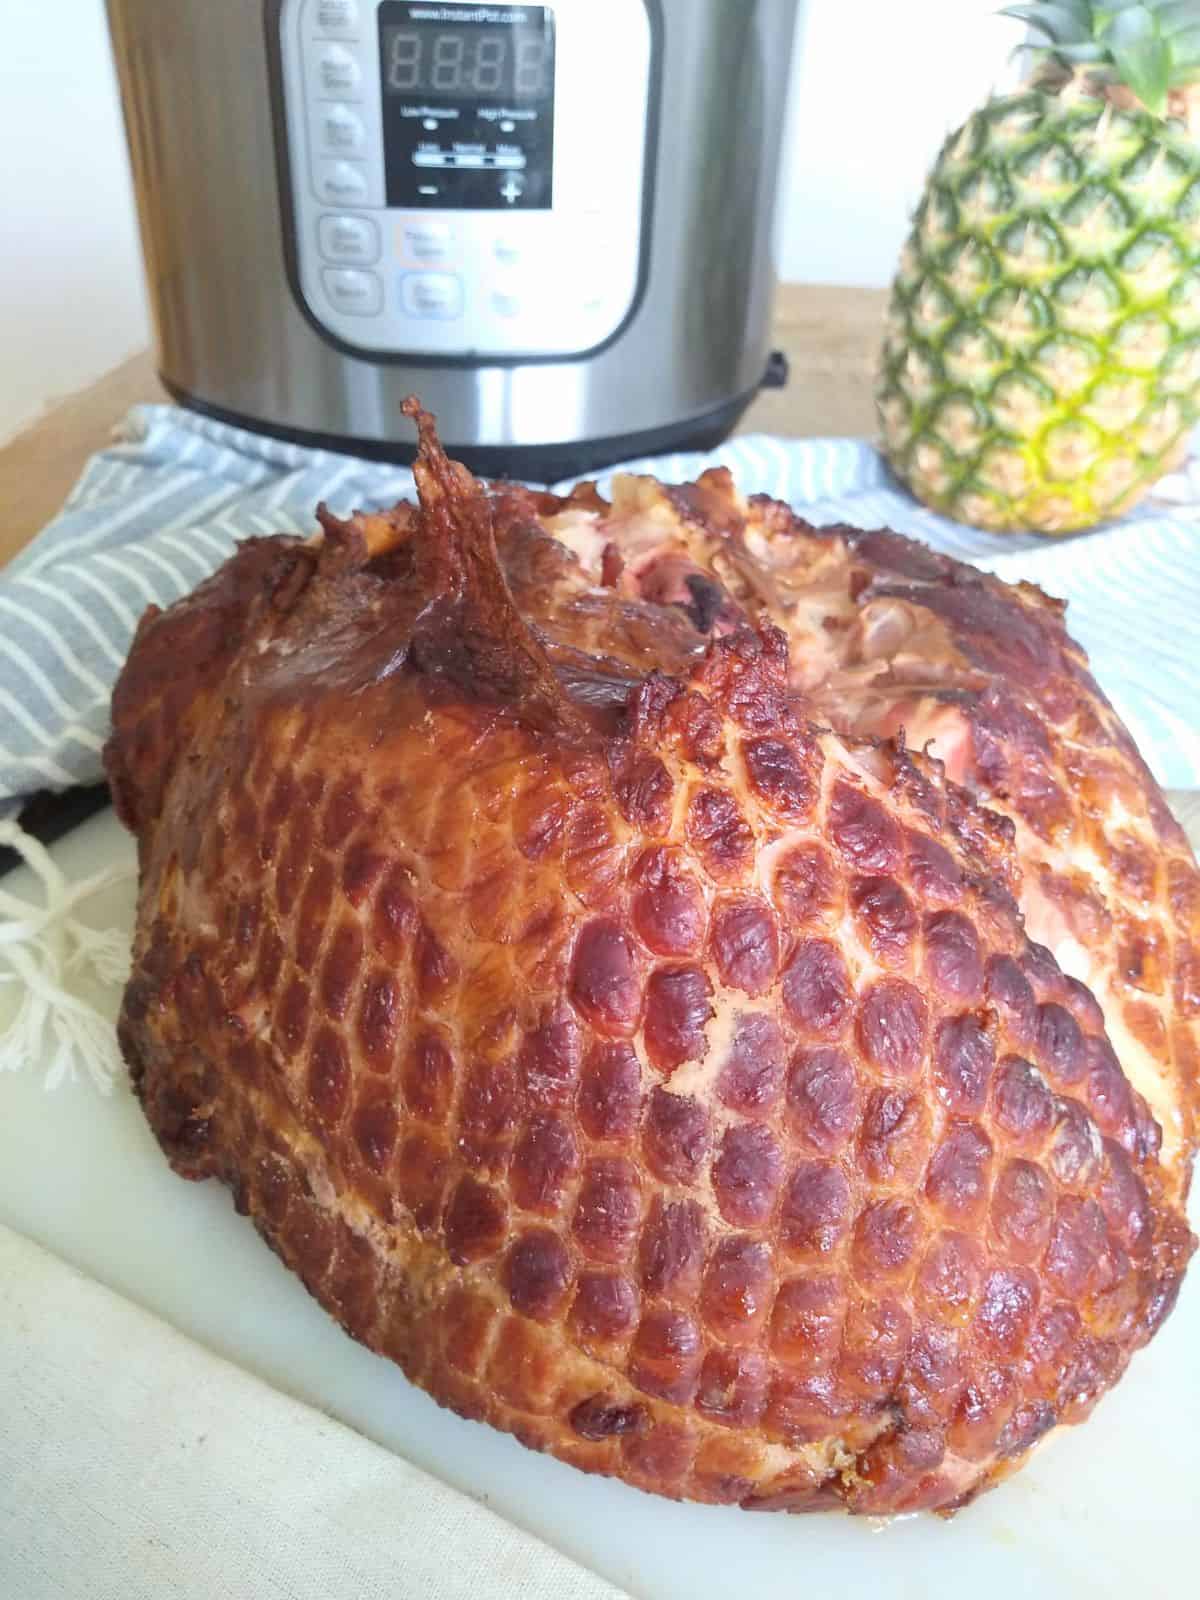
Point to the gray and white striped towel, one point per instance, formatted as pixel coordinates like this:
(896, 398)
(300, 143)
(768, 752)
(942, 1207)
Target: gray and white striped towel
(166, 503)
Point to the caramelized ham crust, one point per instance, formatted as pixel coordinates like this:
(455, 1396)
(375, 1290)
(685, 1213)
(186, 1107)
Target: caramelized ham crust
(713, 997)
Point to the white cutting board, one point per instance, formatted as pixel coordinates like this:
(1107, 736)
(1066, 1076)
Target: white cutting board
(1109, 1509)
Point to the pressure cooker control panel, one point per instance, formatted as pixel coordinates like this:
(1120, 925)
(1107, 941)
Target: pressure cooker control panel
(467, 180)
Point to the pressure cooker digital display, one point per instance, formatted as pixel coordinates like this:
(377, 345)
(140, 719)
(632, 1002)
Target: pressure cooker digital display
(504, 60)
(468, 105)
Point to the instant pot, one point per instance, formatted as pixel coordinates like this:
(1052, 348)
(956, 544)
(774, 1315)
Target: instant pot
(552, 222)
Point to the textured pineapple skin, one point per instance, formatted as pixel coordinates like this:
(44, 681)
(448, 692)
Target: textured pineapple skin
(1041, 366)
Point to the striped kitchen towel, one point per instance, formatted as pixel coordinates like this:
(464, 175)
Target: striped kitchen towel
(166, 503)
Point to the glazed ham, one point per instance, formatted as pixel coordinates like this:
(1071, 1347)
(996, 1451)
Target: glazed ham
(714, 997)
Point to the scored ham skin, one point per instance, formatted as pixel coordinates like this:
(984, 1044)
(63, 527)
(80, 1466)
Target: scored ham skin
(650, 1069)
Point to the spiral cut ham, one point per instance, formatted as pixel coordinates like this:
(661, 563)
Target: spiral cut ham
(714, 997)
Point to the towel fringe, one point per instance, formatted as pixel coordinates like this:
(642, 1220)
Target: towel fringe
(44, 947)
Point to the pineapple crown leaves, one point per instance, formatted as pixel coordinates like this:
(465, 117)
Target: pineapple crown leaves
(1150, 46)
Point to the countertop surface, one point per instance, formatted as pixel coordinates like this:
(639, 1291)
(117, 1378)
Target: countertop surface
(829, 335)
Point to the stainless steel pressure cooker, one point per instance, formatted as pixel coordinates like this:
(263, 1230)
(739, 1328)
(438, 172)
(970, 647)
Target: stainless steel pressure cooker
(552, 222)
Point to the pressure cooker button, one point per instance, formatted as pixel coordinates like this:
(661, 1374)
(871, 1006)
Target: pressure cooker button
(341, 183)
(507, 250)
(337, 74)
(340, 130)
(427, 244)
(358, 294)
(431, 295)
(351, 239)
(506, 304)
(337, 16)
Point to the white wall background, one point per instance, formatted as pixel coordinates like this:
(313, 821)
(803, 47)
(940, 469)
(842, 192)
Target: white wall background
(876, 84)
(71, 298)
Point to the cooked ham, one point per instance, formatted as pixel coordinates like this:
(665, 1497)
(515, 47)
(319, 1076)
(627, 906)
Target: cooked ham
(714, 997)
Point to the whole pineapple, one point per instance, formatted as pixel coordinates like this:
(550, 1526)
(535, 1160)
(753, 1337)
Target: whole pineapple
(1042, 362)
